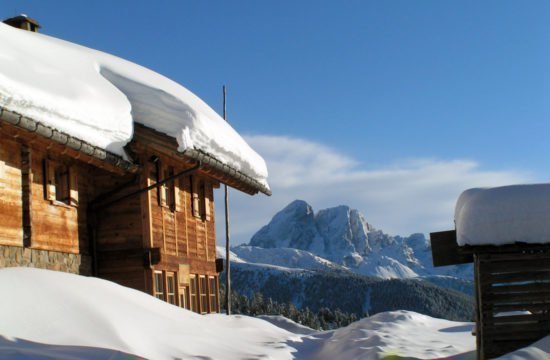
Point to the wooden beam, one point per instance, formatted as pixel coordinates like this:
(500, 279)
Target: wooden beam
(445, 250)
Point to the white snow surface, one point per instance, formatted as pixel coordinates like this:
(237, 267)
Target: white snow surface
(285, 257)
(96, 97)
(65, 316)
(503, 215)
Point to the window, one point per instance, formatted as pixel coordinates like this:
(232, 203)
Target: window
(60, 183)
(200, 204)
(184, 303)
(193, 292)
(213, 292)
(171, 287)
(159, 285)
(166, 193)
(204, 295)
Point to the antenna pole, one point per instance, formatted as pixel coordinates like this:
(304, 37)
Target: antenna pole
(227, 237)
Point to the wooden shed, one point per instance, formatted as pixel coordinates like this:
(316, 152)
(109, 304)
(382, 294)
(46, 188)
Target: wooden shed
(146, 221)
(512, 290)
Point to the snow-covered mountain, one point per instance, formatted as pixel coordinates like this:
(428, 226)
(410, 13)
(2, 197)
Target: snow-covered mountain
(342, 236)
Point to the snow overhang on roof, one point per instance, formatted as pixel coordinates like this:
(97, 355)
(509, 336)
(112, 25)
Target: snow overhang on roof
(61, 138)
(96, 98)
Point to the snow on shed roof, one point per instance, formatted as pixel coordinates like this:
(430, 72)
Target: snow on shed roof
(504, 215)
(96, 97)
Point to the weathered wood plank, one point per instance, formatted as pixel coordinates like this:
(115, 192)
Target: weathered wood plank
(445, 250)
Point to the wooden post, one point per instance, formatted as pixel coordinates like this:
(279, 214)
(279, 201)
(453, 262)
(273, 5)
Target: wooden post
(227, 260)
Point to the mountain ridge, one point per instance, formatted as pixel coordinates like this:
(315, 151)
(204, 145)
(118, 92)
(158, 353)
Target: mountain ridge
(343, 236)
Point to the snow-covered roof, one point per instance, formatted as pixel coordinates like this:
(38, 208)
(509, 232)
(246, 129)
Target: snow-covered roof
(504, 215)
(96, 97)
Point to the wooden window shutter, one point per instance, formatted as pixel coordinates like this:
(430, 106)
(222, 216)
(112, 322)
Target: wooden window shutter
(170, 188)
(49, 179)
(163, 198)
(195, 197)
(161, 190)
(73, 186)
(178, 202)
(206, 201)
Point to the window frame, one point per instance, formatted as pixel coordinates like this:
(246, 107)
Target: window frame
(60, 183)
(183, 296)
(193, 293)
(158, 284)
(203, 294)
(171, 294)
(213, 301)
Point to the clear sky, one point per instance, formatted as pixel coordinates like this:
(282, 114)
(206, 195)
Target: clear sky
(391, 107)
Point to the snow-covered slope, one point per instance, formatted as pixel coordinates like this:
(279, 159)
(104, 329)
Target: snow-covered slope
(54, 315)
(84, 316)
(63, 309)
(286, 257)
(398, 333)
(344, 237)
(96, 97)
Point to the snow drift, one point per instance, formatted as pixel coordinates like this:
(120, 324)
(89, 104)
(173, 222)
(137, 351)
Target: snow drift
(53, 315)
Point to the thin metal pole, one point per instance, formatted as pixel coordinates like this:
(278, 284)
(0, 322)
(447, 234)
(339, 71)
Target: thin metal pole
(227, 237)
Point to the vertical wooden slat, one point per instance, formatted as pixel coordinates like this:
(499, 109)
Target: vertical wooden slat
(26, 182)
(146, 212)
(186, 216)
(479, 312)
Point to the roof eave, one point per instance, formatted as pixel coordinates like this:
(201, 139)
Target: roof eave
(34, 126)
(214, 163)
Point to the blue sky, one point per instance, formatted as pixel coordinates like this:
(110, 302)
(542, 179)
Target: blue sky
(391, 107)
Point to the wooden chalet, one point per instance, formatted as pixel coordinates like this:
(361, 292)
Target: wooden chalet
(512, 290)
(146, 223)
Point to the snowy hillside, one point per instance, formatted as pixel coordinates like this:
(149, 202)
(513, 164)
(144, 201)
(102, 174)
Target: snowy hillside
(320, 289)
(344, 237)
(286, 257)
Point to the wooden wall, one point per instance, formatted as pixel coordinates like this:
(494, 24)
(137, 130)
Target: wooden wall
(182, 236)
(29, 218)
(119, 231)
(11, 207)
(177, 218)
(513, 298)
(55, 224)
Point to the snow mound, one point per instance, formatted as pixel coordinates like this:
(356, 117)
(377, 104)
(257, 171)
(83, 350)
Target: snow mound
(537, 351)
(54, 315)
(399, 333)
(503, 215)
(287, 324)
(63, 309)
(95, 97)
